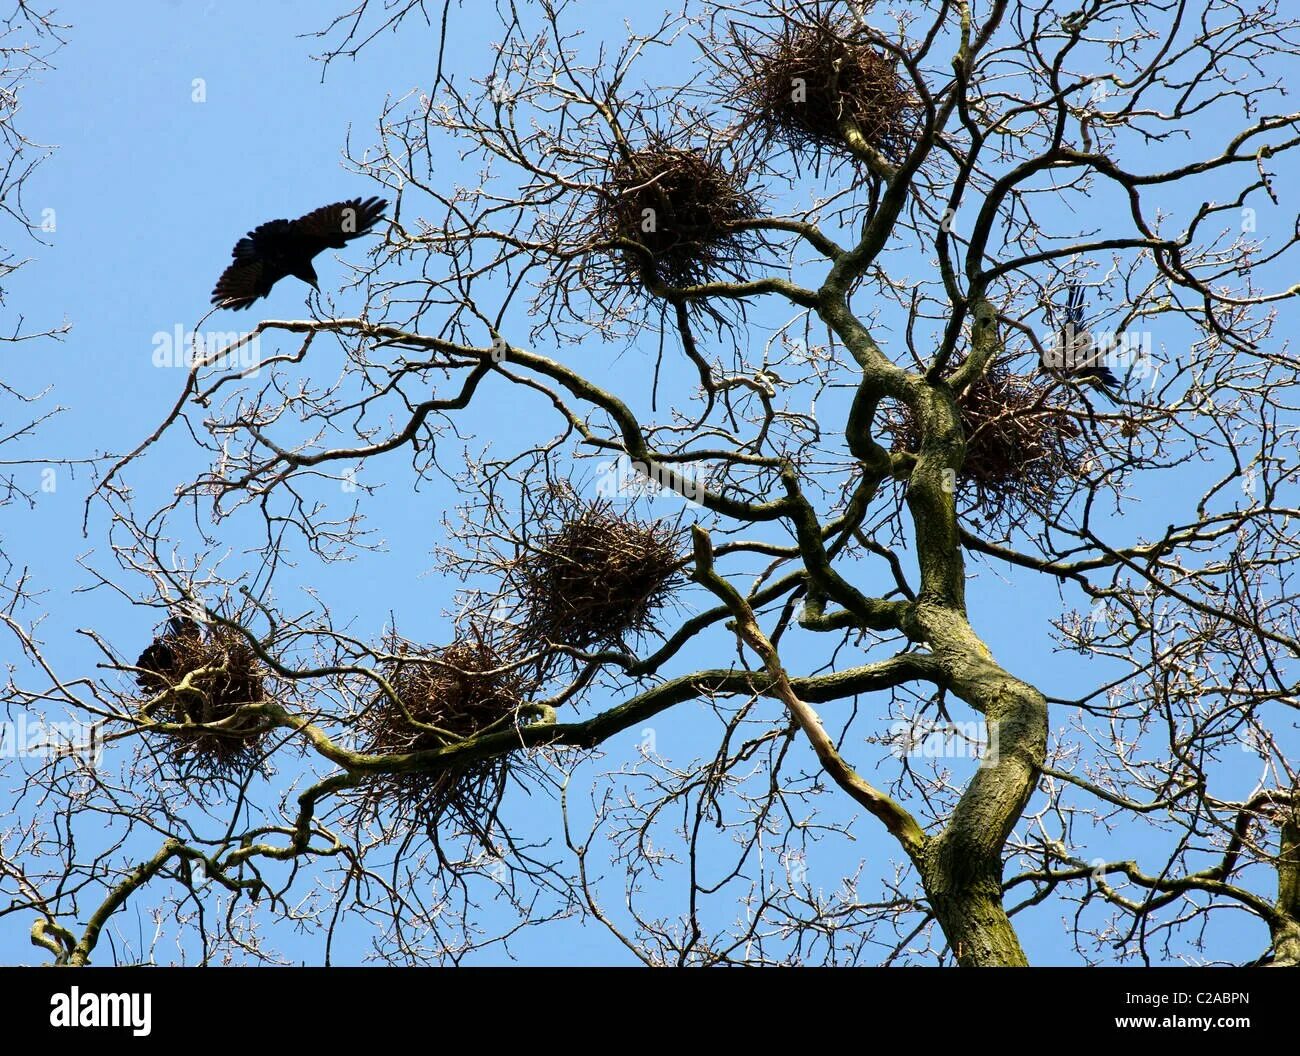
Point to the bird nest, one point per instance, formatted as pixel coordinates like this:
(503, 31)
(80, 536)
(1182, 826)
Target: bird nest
(1020, 450)
(684, 208)
(596, 578)
(448, 694)
(199, 683)
(817, 84)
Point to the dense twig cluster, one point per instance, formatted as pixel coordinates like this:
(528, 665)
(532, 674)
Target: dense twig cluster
(445, 695)
(684, 208)
(1020, 448)
(198, 685)
(597, 578)
(817, 85)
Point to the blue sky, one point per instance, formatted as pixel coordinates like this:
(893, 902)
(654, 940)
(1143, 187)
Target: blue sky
(150, 189)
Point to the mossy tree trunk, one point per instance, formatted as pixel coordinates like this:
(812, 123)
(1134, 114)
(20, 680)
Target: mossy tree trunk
(960, 865)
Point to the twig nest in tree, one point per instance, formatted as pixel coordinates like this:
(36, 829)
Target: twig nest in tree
(817, 81)
(448, 694)
(201, 681)
(596, 578)
(681, 206)
(1020, 449)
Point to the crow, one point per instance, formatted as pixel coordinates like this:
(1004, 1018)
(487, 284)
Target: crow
(286, 247)
(1075, 355)
(159, 665)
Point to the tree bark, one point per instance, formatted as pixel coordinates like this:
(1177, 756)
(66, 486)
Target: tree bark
(968, 907)
(1285, 927)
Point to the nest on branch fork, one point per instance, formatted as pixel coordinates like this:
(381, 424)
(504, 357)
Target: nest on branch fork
(820, 86)
(448, 694)
(1021, 450)
(684, 208)
(201, 682)
(595, 578)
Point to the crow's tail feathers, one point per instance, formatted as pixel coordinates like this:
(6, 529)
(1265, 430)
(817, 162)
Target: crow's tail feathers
(1103, 374)
(1102, 379)
(183, 627)
(1074, 306)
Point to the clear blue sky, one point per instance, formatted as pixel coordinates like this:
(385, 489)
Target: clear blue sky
(150, 190)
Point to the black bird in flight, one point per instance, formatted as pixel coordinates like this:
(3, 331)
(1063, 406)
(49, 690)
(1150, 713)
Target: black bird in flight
(286, 247)
(1075, 355)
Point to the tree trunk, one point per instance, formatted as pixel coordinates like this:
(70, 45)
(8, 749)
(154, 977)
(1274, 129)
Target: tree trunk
(1286, 927)
(968, 907)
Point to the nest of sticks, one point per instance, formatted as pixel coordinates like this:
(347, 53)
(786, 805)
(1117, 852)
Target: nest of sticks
(596, 578)
(448, 694)
(820, 86)
(683, 208)
(1020, 449)
(201, 681)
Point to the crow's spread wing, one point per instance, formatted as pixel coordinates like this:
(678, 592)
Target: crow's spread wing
(242, 283)
(333, 226)
(259, 260)
(285, 247)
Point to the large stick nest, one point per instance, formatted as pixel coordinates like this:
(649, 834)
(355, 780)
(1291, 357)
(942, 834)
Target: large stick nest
(202, 681)
(817, 80)
(447, 694)
(682, 206)
(1020, 449)
(596, 578)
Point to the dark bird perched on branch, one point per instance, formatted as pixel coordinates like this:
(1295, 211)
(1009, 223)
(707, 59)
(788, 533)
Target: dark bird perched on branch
(1074, 355)
(286, 247)
(159, 664)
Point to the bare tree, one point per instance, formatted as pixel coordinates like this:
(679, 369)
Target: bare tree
(28, 41)
(813, 294)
